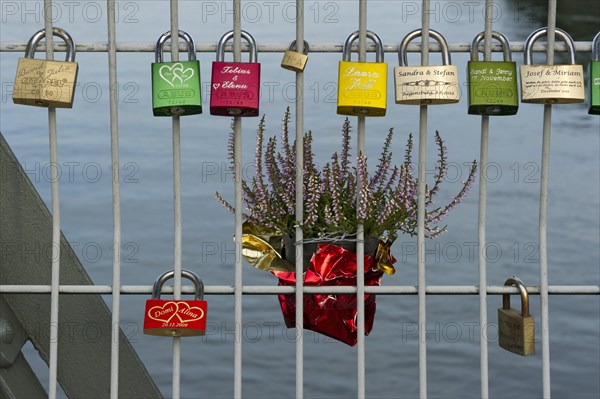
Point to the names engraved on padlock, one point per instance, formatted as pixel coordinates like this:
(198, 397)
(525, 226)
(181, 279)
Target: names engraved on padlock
(235, 70)
(552, 84)
(491, 75)
(292, 60)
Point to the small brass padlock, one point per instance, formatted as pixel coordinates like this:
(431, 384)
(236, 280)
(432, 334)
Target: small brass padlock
(595, 77)
(362, 86)
(293, 60)
(492, 84)
(176, 84)
(516, 330)
(425, 85)
(46, 83)
(551, 84)
(176, 318)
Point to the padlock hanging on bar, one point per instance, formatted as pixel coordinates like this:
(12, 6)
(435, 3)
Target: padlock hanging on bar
(235, 86)
(362, 86)
(176, 89)
(492, 84)
(551, 84)
(293, 60)
(595, 77)
(516, 330)
(176, 318)
(426, 85)
(46, 83)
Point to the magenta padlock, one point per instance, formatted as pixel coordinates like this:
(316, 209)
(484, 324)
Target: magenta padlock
(235, 86)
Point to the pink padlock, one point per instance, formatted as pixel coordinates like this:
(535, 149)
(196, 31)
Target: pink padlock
(235, 86)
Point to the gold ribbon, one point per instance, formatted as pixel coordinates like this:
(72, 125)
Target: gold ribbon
(261, 247)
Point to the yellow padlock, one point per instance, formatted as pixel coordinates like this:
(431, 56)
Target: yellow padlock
(362, 86)
(424, 85)
(46, 83)
(551, 84)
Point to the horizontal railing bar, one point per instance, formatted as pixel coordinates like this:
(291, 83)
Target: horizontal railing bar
(210, 47)
(270, 290)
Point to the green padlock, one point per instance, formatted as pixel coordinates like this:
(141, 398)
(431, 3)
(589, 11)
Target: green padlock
(176, 85)
(492, 84)
(595, 77)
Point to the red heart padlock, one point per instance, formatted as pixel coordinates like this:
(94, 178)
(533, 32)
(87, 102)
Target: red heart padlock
(176, 318)
(235, 86)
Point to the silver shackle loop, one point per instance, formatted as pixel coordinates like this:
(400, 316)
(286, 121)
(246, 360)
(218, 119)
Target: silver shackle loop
(163, 278)
(158, 50)
(513, 281)
(542, 32)
(370, 35)
(596, 47)
(495, 35)
(294, 46)
(229, 36)
(39, 35)
(403, 53)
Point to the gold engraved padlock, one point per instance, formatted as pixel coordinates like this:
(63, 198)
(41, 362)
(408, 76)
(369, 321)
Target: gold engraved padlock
(551, 84)
(293, 60)
(46, 83)
(516, 330)
(425, 85)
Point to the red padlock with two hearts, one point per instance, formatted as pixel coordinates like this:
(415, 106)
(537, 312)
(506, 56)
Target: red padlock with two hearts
(176, 318)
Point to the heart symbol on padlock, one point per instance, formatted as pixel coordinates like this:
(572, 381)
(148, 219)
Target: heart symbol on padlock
(216, 85)
(175, 72)
(163, 313)
(187, 313)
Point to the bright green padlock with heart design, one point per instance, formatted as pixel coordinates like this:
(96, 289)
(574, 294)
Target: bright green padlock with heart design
(176, 84)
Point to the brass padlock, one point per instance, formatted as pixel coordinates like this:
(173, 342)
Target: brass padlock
(595, 77)
(551, 84)
(492, 84)
(46, 83)
(516, 330)
(293, 60)
(362, 86)
(425, 85)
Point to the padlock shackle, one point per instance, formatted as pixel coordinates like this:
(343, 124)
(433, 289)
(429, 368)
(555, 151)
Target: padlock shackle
(229, 36)
(158, 49)
(370, 35)
(542, 32)
(39, 35)
(596, 47)
(163, 278)
(403, 53)
(294, 46)
(513, 281)
(495, 35)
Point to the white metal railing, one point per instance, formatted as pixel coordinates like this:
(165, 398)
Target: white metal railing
(238, 290)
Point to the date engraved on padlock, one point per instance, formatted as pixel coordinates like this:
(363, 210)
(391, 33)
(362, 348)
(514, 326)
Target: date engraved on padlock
(425, 85)
(46, 83)
(176, 318)
(551, 84)
(516, 330)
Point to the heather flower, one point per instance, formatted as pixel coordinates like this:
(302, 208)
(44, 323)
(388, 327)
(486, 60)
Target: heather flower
(339, 197)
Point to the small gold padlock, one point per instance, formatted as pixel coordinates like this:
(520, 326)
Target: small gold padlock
(551, 84)
(46, 83)
(293, 60)
(516, 330)
(425, 85)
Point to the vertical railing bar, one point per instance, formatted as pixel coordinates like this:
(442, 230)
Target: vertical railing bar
(116, 198)
(238, 284)
(543, 217)
(55, 279)
(177, 248)
(481, 218)
(421, 213)
(360, 228)
(299, 205)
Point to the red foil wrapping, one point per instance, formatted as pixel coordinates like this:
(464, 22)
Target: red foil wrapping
(329, 314)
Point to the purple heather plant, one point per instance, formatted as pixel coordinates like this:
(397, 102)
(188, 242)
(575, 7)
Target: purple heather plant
(388, 198)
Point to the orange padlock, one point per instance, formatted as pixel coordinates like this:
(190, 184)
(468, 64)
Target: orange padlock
(176, 318)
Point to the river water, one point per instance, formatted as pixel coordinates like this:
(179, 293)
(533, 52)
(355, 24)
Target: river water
(268, 348)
